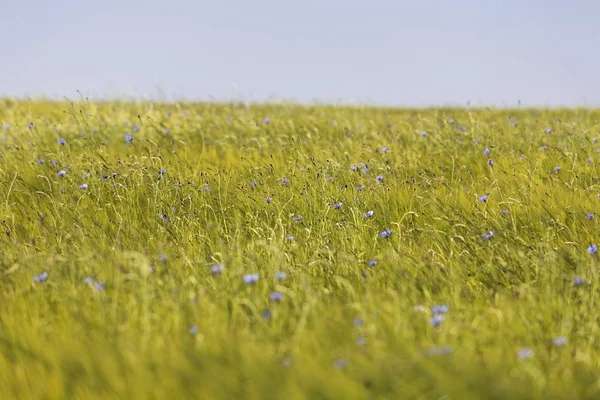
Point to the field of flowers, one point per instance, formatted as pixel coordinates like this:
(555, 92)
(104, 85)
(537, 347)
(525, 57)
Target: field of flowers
(177, 251)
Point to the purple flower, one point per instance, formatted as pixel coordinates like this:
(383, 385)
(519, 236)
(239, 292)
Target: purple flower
(276, 296)
(340, 363)
(590, 160)
(483, 198)
(83, 186)
(488, 235)
(217, 269)
(384, 149)
(353, 168)
(437, 320)
(166, 131)
(281, 276)
(291, 238)
(136, 128)
(251, 278)
(62, 141)
(372, 263)
(193, 330)
(267, 121)
(590, 216)
(268, 200)
(129, 138)
(369, 214)
(592, 249)
(62, 172)
(557, 169)
(284, 180)
(360, 188)
(440, 309)
(525, 353)
(40, 161)
(548, 131)
(41, 277)
(30, 125)
(423, 134)
(297, 218)
(358, 321)
(578, 281)
(163, 258)
(490, 162)
(379, 178)
(338, 205)
(385, 233)
(6, 127)
(486, 152)
(560, 341)
(206, 188)
(361, 341)
(162, 171)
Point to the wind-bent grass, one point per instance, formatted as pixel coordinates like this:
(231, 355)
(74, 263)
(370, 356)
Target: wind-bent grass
(132, 307)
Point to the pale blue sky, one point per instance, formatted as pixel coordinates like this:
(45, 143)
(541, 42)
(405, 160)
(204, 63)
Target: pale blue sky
(393, 52)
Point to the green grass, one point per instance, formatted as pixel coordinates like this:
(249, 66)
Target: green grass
(65, 339)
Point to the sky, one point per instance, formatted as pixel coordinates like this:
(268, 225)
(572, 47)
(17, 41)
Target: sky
(380, 52)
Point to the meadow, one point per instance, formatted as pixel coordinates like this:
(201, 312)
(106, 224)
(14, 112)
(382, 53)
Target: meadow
(226, 251)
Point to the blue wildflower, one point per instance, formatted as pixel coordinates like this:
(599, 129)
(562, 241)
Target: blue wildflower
(340, 363)
(217, 269)
(487, 151)
(560, 341)
(251, 278)
(353, 168)
(385, 233)
(488, 235)
(41, 277)
(369, 214)
(557, 169)
(129, 138)
(483, 198)
(358, 321)
(62, 141)
(590, 160)
(268, 200)
(361, 341)
(490, 162)
(266, 314)
(62, 172)
(162, 171)
(30, 125)
(40, 161)
(384, 149)
(548, 131)
(360, 188)
(338, 205)
(297, 218)
(590, 216)
(6, 127)
(578, 281)
(379, 178)
(440, 309)
(136, 128)
(437, 320)
(291, 238)
(206, 188)
(276, 296)
(525, 353)
(193, 330)
(267, 121)
(166, 131)
(163, 258)
(284, 180)
(280, 276)
(104, 177)
(372, 263)
(592, 249)
(423, 134)
(83, 186)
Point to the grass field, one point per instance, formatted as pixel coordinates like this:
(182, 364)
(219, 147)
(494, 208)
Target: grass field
(274, 252)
